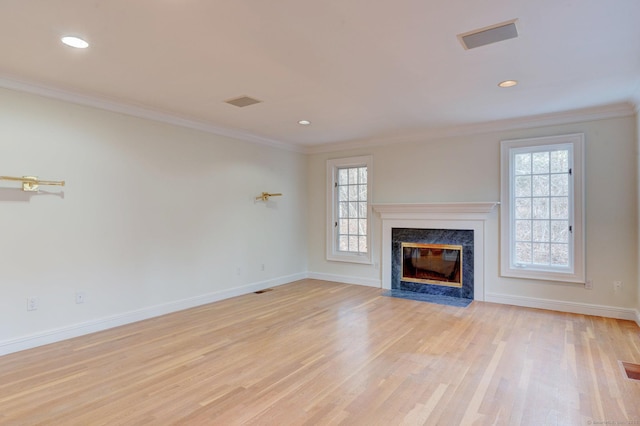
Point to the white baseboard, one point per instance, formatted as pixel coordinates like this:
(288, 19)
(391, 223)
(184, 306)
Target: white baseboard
(573, 307)
(80, 329)
(346, 279)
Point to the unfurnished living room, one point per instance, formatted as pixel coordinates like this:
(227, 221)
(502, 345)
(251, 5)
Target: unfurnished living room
(318, 213)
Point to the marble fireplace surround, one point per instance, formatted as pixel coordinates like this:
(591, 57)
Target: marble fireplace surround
(471, 216)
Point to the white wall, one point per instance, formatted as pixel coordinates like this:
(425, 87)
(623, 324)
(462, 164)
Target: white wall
(154, 217)
(467, 169)
(157, 217)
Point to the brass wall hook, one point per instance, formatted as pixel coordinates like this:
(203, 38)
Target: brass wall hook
(265, 196)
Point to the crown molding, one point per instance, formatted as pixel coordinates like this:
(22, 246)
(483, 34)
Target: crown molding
(12, 83)
(622, 109)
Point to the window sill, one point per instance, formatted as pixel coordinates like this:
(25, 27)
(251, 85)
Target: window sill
(543, 276)
(361, 259)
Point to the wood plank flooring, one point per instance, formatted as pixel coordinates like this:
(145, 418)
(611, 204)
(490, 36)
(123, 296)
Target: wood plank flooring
(316, 353)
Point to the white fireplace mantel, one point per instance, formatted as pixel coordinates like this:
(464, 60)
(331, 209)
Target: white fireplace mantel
(412, 209)
(471, 216)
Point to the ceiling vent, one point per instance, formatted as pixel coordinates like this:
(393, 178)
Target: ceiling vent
(488, 35)
(242, 101)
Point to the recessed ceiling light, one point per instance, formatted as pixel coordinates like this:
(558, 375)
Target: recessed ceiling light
(304, 122)
(76, 42)
(507, 83)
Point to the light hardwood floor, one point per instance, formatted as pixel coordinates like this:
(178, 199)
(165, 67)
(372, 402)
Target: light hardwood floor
(315, 353)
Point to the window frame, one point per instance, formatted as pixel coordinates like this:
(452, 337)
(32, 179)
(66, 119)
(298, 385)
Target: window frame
(332, 252)
(576, 272)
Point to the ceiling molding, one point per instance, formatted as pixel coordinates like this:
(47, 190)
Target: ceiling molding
(622, 109)
(139, 112)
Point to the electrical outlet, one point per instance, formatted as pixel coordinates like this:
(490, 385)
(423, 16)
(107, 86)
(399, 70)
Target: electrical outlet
(32, 303)
(617, 286)
(80, 297)
(588, 285)
(262, 267)
(238, 271)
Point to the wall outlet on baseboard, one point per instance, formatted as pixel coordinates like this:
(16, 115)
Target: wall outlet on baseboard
(588, 285)
(80, 297)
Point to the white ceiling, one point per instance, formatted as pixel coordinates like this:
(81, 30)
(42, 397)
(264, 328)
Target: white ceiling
(358, 69)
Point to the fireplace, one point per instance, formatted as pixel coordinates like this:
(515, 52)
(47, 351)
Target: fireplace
(431, 261)
(470, 216)
(439, 264)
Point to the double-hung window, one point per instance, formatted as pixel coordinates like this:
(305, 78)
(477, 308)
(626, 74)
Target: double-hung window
(348, 209)
(542, 208)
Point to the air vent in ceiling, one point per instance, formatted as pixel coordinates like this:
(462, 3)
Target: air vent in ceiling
(242, 101)
(488, 35)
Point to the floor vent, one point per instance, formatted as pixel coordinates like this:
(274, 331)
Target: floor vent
(263, 291)
(631, 370)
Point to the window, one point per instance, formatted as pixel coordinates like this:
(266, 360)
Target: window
(542, 224)
(348, 209)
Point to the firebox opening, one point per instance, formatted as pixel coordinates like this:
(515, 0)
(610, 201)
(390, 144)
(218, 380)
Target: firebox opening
(439, 264)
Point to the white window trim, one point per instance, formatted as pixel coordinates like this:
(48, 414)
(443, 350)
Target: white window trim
(332, 209)
(578, 274)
